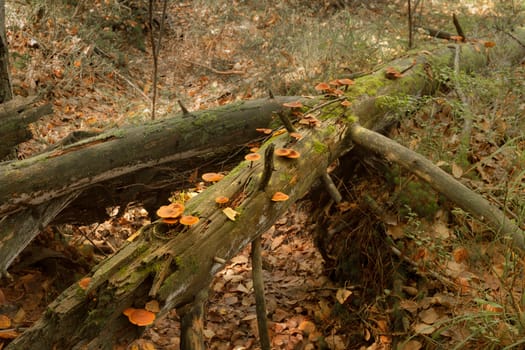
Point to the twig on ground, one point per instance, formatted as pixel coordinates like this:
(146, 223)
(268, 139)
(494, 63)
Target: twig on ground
(220, 72)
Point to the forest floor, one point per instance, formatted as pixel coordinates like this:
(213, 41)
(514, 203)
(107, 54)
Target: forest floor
(439, 279)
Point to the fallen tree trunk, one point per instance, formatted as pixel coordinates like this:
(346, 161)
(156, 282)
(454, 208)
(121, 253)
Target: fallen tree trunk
(119, 166)
(172, 264)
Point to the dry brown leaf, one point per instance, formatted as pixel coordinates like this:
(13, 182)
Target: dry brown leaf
(342, 295)
(409, 305)
(457, 172)
(429, 316)
(230, 213)
(152, 306)
(5, 322)
(460, 254)
(10, 334)
(277, 241)
(423, 328)
(307, 327)
(396, 232)
(412, 345)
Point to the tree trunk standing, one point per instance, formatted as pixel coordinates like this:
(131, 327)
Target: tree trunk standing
(187, 257)
(6, 92)
(15, 117)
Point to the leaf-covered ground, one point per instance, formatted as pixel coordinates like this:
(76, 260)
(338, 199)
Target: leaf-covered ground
(415, 273)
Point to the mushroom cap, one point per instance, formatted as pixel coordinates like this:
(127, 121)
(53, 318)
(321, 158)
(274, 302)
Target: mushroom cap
(188, 220)
(212, 177)
(293, 154)
(170, 211)
(296, 135)
(264, 130)
(84, 282)
(128, 311)
(294, 104)
(322, 86)
(252, 156)
(170, 221)
(282, 152)
(346, 103)
(221, 200)
(279, 197)
(346, 81)
(141, 317)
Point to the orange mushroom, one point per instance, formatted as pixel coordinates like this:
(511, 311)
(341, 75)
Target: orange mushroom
(264, 130)
(296, 135)
(295, 104)
(252, 156)
(188, 220)
(279, 197)
(293, 154)
(346, 103)
(84, 282)
(222, 200)
(140, 317)
(322, 87)
(282, 152)
(346, 81)
(170, 211)
(170, 221)
(212, 177)
(128, 311)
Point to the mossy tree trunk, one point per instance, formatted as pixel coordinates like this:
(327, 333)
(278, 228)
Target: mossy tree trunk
(172, 264)
(134, 163)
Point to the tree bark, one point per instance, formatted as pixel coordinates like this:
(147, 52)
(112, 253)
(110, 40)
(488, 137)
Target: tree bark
(187, 258)
(15, 117)
(6, 93)
(120, 166)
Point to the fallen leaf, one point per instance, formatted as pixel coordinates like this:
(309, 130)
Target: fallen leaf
(5, 322)
(429, 316)
(457, 172)
(230, 213)
(412, 345)
(307, 327)
(342, 295)
(423, 328)
(392, 73)
(152, 306)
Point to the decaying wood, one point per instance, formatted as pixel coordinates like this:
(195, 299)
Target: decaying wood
(93, 318)
(441, 181)
(119, 166)
(15, 116)
(192, 323)
(258, 290)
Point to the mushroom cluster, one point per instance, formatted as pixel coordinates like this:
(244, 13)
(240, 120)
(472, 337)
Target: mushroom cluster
(172, 214)
(287, 153)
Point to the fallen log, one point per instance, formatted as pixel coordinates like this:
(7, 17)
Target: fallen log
(172, 264)
(113, 168)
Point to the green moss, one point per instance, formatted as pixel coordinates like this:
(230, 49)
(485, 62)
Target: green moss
(284, 177)
(330, 129)
(319, 147)
(420, 198)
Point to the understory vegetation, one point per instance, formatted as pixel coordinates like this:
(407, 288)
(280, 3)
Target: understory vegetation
(394, 265)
